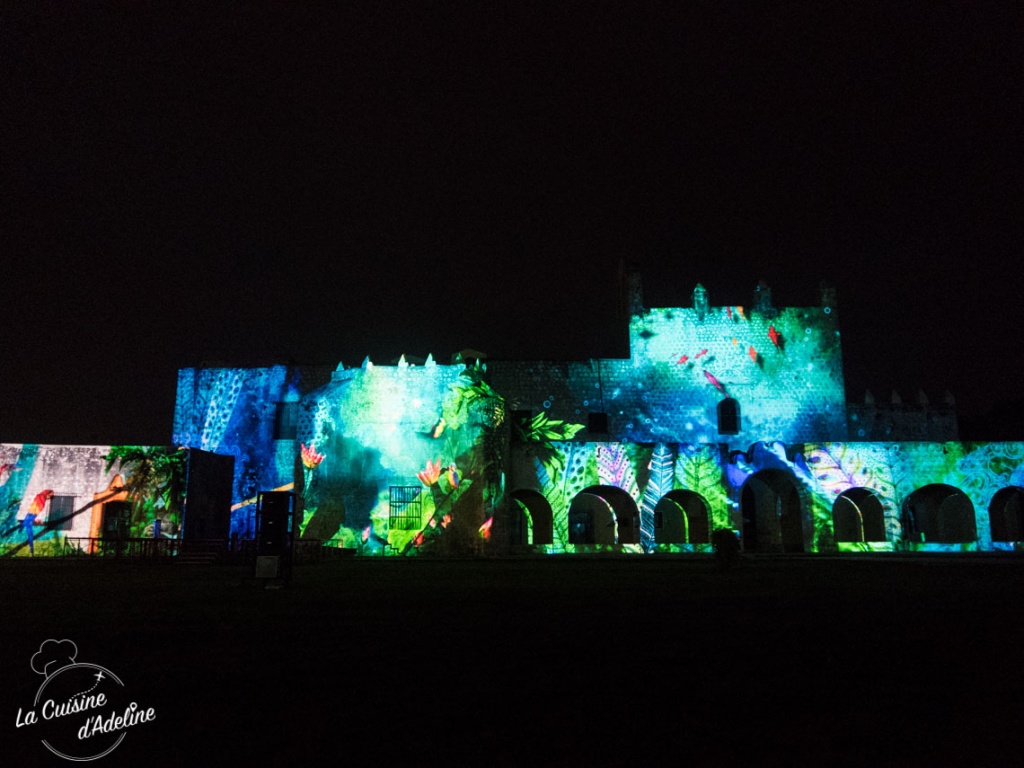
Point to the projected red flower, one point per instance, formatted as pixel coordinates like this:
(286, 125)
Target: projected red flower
(430, 475)
(310, 458)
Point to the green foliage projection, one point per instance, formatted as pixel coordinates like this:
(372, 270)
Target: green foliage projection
(154, 478)
(698, 471)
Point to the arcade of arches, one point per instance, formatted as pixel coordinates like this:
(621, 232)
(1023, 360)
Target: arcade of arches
(772, 516)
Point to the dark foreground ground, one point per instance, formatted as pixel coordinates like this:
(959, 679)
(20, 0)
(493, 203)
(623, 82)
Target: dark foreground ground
(799, 661)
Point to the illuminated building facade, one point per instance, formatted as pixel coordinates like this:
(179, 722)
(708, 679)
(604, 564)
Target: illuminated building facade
(722, 417)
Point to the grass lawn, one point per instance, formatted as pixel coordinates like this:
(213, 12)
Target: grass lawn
(559, 661)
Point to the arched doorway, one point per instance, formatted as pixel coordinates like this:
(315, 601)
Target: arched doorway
(603, 514)
(1006, 514)
(111, 513)
(531, 521)
(682, 517)
(771, 512)
(858, 515)
(939, 514)
(728, 417)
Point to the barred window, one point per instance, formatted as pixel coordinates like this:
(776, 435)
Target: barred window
(405, 513)
(62, 509)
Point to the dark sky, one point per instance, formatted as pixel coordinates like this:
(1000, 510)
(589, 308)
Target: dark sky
(238, 184)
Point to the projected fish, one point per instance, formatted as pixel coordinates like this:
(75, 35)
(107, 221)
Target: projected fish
(715, 382)
(753, 354)
(774, 335)
(700, 354)
(439, 428)
(682, 359)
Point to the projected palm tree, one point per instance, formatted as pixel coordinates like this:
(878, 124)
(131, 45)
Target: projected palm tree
(154, 478)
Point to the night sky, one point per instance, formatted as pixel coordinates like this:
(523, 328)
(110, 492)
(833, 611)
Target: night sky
(241, 186)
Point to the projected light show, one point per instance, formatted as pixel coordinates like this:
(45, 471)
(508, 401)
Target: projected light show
(61, 499)
(723, 418)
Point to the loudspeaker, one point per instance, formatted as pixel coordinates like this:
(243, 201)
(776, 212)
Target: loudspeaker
(274, 519)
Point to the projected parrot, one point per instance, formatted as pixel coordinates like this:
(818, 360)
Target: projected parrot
(39, 502)
(453, 476)
(29, 523)
(5, 472)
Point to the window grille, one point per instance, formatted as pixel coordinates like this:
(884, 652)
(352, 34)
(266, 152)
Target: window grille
(61, 510)
(405, 513)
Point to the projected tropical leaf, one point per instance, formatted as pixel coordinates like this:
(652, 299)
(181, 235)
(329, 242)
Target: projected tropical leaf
(660, 480)
(471, 390)
(699, 472)
(541, 429)
(833, 470)
(153, 477)
(541, 433)
(575, 474)
(151, 474)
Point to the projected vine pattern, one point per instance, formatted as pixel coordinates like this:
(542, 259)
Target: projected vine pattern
(819, 473)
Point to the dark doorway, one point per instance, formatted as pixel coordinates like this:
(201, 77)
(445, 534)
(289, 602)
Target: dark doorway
(682, 517)
(771, 511)
(1006, 514)
(858, 515)
(939, 514)
(532, 520)
(614, 515)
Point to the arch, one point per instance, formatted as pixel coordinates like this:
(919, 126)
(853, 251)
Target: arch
(772, 513)
(103, 503)
(1006, 514)
(591, 520)
(858, 515)
(532, 519)
(682, 517)
(603, 514)
(940, 514)
(728, 416)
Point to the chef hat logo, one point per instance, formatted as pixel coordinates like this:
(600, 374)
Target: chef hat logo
(53, 655)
